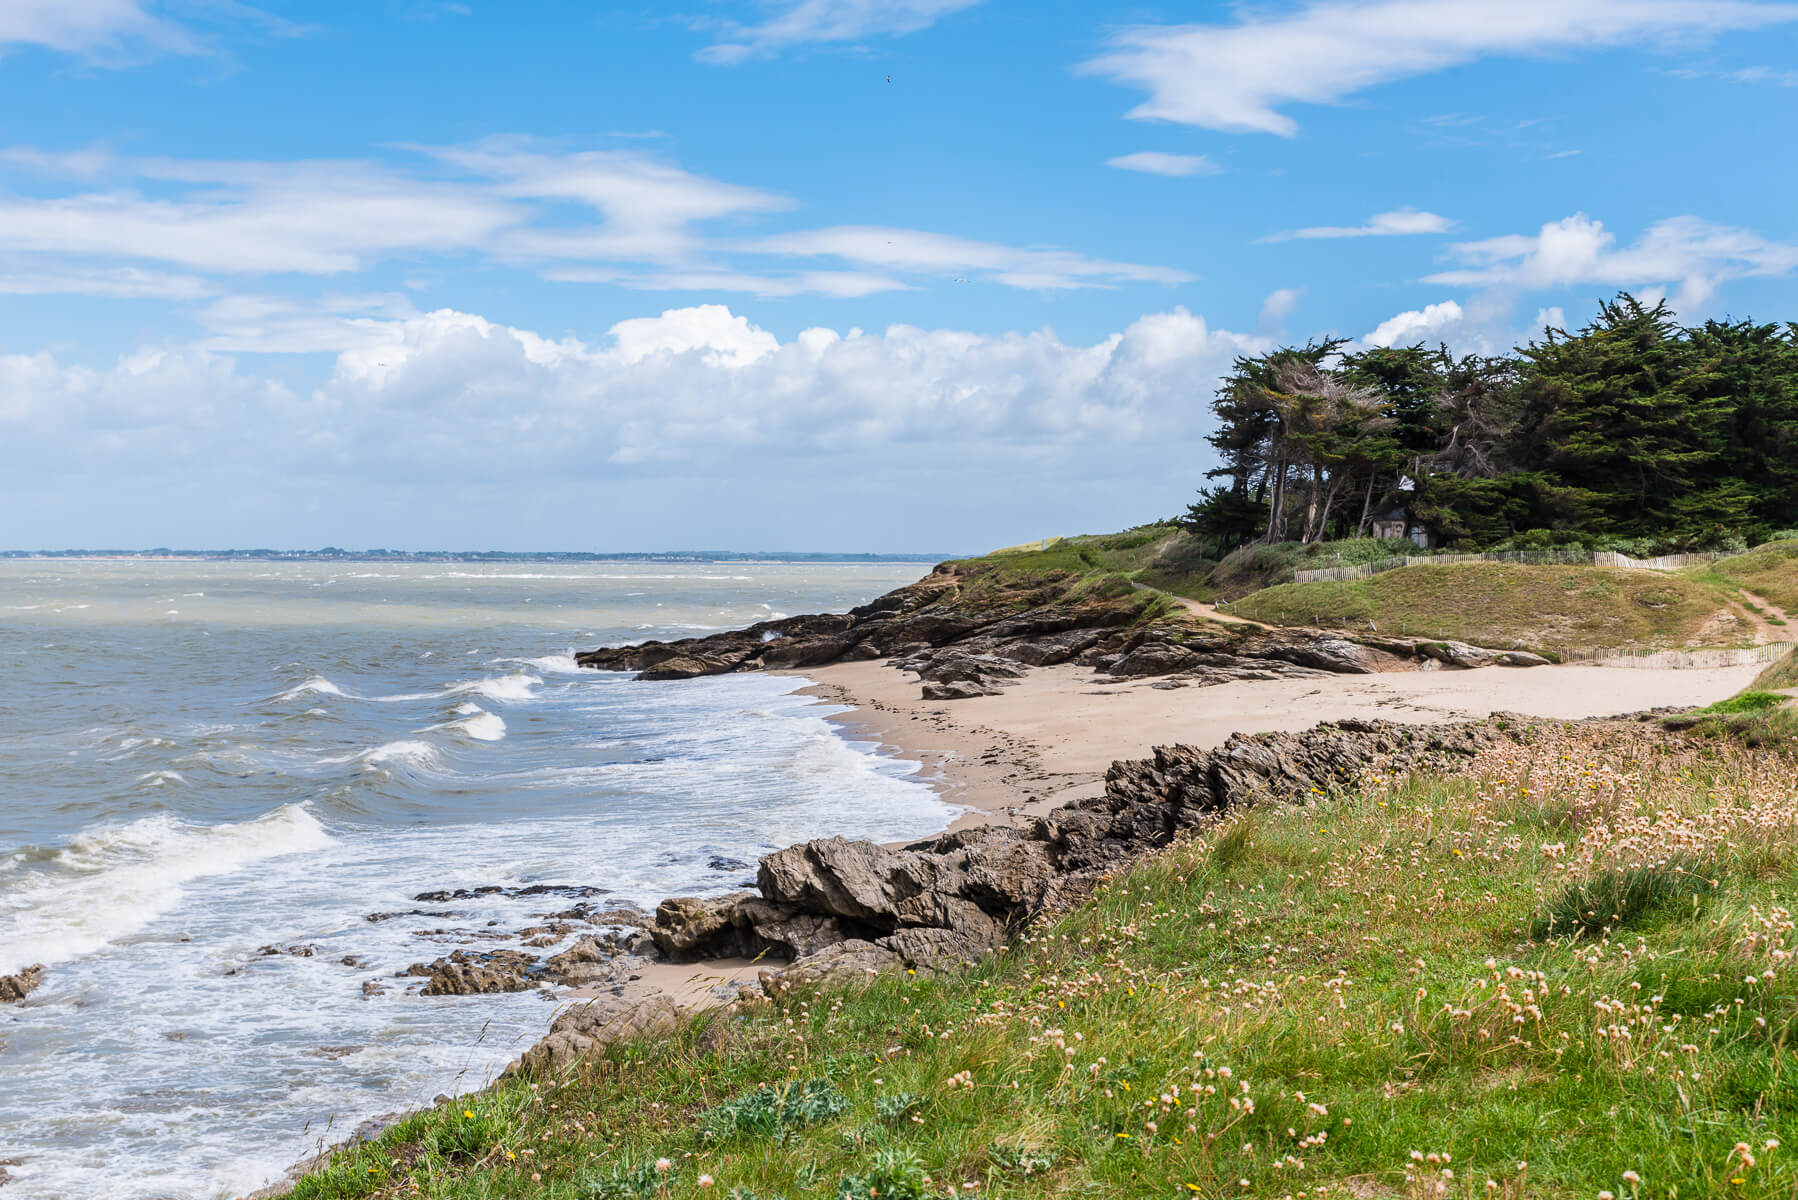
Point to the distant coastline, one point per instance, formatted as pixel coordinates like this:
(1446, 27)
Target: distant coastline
(333, 554)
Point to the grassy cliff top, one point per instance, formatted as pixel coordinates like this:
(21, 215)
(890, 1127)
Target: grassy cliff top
(1565, 972)
(1508, 604)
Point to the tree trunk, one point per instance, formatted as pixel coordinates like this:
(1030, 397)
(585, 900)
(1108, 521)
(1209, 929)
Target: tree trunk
(1366, 505)
(1277, 498)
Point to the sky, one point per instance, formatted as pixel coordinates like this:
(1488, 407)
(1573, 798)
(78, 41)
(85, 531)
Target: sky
(822, 275)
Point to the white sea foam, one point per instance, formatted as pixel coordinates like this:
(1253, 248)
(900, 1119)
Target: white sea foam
(109, 883)
(499, 687)
(409, 751)
(480, 724)
(318, 685)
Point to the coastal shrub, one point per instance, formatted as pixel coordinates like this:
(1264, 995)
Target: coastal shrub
(1617, 897)
(627, 1181)
(1746, 702)
(896, 1174)
(897, 1106)
(1014, 1160)
(774, 1107)
(470, 1134)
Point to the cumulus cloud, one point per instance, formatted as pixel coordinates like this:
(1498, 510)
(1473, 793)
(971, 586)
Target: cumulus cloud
(448, 395)
(1399, 223)
(1155, 162)
(814, 21)
(1237, 78)
(1694, 254)
(1430, 323)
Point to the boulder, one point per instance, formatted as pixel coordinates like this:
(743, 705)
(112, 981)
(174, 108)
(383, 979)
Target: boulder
(843, 962)
(1521, 658)
(21, 985)
(960, 689)
(467, 973)
(1458, 654)
(595, 1024)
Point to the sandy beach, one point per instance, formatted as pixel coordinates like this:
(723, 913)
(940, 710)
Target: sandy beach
(1049, 738)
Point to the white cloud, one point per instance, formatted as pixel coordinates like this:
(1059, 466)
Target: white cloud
(448, 396)
(85, 26)
(915, 251)
(117, 283)
(1155, 162)
(656, 228)
(1429, 323)
(1400, 223)
(1279, 305)
(1696, 255)
(234, 217)
(1238, 77)
(275, 325)
(815, 21)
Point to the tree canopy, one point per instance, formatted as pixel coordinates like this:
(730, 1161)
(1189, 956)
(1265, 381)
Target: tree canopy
(1632, 427)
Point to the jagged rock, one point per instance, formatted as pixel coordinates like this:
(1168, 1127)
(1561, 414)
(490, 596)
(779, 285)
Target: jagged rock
(1336, 655)
(371, 988)
(1521, 658)
(21, 985)
(465, 973)
(1155, 658)
(597, 1023)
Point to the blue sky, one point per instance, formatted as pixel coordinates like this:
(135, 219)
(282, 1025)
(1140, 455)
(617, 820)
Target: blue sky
(807, 274)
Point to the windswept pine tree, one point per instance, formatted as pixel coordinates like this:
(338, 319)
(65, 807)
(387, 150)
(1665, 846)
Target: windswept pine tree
(1631, 427)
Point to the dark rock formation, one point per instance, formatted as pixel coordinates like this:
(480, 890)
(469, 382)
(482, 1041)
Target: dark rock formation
(17, 987)
(968, 629)
(594, 1024)
(837, 908)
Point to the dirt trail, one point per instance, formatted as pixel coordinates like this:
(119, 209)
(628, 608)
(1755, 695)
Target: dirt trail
(1200, 609)
(1769, 622)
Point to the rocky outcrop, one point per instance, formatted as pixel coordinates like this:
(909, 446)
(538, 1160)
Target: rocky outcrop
(839, 909)
(17, 987)
(594, 1024)
(970, 630)
(589, 962)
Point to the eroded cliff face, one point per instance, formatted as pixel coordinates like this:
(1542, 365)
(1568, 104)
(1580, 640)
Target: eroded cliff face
(970, 628)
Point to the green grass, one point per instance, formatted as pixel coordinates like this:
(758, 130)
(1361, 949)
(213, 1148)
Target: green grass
(1503, 605)
(1342, 1000)
(1770, 571)
(1782, 674)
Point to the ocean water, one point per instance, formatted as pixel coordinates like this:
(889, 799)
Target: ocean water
(199, 760)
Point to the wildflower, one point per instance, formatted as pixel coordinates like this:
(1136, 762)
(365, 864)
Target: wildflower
(705, 1181)
(663, 1166)
(469, 1113)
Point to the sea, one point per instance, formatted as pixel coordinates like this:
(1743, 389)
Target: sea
(204, 761)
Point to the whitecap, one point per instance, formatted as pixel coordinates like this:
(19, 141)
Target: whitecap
(111, 882)
(481, 725)
(410, 751)
(499, 687)
(317, 685)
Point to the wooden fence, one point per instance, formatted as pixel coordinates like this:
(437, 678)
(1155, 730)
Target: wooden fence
(1558, 558)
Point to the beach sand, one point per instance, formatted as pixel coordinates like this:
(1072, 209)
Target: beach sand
(1049, 738)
